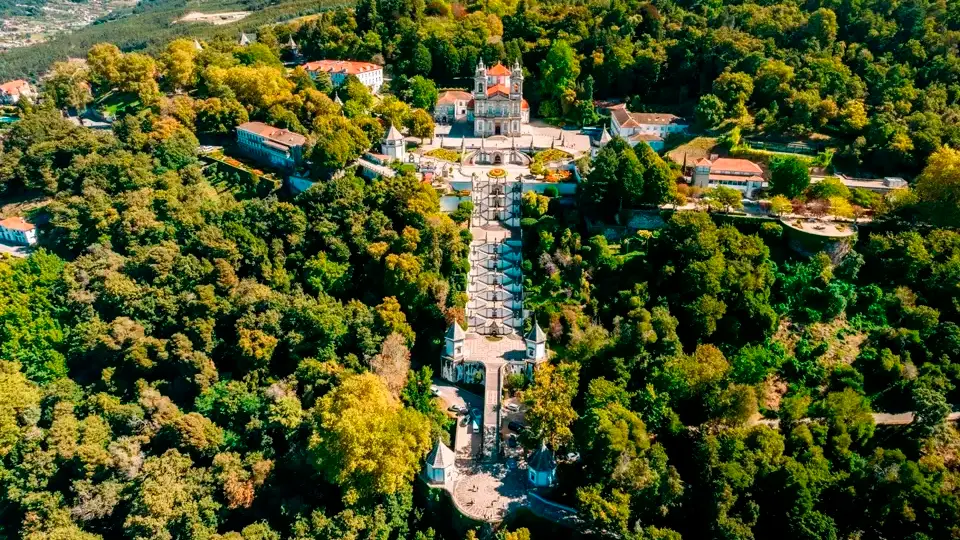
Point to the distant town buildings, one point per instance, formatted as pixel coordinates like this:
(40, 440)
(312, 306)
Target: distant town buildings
(371, 75)
(496, 106)
(277, 147)
(651, 128)
(740, 174)
(12, 91)
(16, 230)
(246, 39)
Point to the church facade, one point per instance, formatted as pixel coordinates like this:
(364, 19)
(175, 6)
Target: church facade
(496, 105)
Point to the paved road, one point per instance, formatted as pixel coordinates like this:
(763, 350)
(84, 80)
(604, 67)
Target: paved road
(16, 251)
(880, 419)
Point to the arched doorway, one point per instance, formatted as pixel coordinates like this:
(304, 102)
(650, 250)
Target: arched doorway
(497, 159)
(496, 129)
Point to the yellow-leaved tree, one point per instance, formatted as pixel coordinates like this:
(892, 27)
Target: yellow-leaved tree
(17, 395)
(365, 441)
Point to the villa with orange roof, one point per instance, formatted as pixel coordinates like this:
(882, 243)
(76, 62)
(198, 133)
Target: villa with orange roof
(651, 128)
(12, 91)
(740, 174)
(16, 230)
(371, 75)
(278, 147)
(495, 107)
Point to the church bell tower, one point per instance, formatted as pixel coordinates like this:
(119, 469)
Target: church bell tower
(480, 81)
(516, 81)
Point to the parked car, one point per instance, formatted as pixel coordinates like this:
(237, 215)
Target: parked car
(435, 389)
(513, 407)
(475, 412)
(457, 408)
(516, 426)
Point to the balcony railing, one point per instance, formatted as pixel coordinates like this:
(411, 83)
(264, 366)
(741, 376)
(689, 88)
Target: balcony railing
(496, 115)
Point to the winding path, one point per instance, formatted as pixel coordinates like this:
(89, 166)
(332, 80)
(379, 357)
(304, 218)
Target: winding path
(880, 419)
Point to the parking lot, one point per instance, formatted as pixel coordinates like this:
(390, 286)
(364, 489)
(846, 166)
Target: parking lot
(507, 415)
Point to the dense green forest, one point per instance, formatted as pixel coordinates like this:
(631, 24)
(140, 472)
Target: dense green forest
(672, 345)
(190, 355)
(180, 362)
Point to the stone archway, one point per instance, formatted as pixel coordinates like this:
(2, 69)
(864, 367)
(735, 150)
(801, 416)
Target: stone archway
(498, 159)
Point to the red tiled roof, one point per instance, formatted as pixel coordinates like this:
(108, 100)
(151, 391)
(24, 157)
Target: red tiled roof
(498, 70)
(497, 88)
(631, 119)
(645, 137)
(350, 67)
(622, 116)
(655, 118)
(15, 87)
(17, 223)
(524, 104)
(277, 135)
(736, 165)
(451, 96)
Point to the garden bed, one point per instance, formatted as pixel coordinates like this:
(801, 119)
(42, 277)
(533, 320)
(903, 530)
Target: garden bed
(445, 154)
(551, 155)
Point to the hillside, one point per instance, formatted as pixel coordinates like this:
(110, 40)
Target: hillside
(149, 25)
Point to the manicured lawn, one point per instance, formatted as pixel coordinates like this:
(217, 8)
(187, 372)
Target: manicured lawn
(115, 103)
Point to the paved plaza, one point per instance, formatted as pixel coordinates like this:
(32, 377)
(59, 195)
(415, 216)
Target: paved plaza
(490, 492)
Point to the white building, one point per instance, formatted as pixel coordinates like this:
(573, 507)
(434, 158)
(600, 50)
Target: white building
(12, 91)
(16, 230)
(453, 105)
(246, 39)
(278, 147)
(394, 146)
(651, 128)
(496, 106)
(542, 467)
(371, 75)
(740, 174)
(440, 467)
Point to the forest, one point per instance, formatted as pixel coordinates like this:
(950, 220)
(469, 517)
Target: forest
(704, 369)
(181, 363)
(186, 356)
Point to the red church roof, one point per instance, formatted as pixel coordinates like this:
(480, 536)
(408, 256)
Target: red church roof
(498, 70)
(498, 88)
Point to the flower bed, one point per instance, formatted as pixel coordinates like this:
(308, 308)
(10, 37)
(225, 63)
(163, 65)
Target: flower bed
(497, 173)
(551, 155)
(444, 153)
(557, 175)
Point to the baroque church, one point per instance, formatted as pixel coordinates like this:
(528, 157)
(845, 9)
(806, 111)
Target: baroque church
(496, 105)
